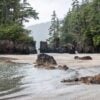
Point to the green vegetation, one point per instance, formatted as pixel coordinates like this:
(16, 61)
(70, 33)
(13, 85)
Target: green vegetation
(12, 15)
(82, 24)
(54, 30)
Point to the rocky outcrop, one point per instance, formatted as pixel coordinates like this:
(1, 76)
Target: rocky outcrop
(17, 47)
(43, 47)
(91, 79)
(87, 80)
(45, 61)
(83, 58)
(56, 47)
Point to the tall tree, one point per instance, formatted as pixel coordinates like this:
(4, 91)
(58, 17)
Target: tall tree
(12, 15)
(83, 21)
(15, 11)
(54, 30)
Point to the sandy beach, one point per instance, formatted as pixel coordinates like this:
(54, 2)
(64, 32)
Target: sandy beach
(77, 91)
(65, 59)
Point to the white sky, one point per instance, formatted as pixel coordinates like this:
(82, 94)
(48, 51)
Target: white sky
(45, 9)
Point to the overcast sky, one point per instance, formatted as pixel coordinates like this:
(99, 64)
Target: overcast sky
(45, 9)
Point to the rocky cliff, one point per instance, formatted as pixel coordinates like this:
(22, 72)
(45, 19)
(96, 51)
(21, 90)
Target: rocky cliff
(17, 47)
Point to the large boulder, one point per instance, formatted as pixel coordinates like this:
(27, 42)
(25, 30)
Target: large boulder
(46, 61)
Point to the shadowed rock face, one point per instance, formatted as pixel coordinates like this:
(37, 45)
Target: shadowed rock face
(46, 61)
(83, 58)
(56, 47)
(17, 47)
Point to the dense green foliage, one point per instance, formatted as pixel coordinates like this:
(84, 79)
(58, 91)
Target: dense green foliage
(54, 30)
(82, 23)
(12, 15)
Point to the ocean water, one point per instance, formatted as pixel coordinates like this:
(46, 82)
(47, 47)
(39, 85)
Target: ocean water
(24, 82)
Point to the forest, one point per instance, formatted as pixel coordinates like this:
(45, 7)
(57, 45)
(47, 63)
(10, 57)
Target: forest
(13, 13)
(80, 27)
(14, 38)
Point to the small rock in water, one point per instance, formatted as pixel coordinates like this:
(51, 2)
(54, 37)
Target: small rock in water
(86, 80)
(70, 80)
(91, 79)
(64, 67)
(83, 58)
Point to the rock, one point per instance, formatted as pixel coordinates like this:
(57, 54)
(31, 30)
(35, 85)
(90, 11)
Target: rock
(64, 67)
(56, 47)
(70, 48)
(51, 67)
(43, 47)
(25, 48)
(70, 80)
(83, 58)
(46, 61)
(91, 79)
(17, 47)
(86, 80)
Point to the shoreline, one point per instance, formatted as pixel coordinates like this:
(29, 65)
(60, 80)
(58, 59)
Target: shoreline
(65, 92)
(62, 59)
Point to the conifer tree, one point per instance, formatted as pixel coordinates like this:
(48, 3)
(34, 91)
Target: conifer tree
(54, 30)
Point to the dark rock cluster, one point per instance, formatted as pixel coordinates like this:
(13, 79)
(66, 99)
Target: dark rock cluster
(87, 80)
(57, 47)
(45, 48)
(17, 47)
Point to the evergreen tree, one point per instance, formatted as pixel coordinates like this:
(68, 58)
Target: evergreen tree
(54, 30)
(12, 15)
(83, 22)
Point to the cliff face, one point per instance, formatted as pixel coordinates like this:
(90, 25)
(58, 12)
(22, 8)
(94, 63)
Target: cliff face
(17, 47)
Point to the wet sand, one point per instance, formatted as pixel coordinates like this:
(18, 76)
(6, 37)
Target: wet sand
(69, 92)
(62, 59)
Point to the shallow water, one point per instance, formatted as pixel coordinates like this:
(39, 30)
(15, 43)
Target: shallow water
(24, 82)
